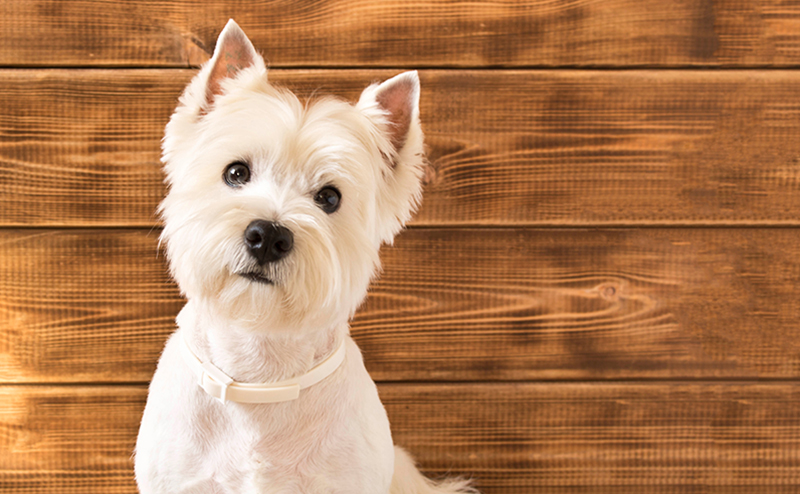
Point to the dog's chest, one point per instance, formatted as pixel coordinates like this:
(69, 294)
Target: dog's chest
(305, 454)
(294, 451)
(335, 439)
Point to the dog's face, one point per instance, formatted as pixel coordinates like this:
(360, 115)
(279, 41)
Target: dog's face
(276, 209)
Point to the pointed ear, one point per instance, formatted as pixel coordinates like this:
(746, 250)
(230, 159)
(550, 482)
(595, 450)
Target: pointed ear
(234, 52)
(393, 108)
(398, 98)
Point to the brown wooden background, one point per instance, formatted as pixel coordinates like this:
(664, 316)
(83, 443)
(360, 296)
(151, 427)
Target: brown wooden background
(598, 295)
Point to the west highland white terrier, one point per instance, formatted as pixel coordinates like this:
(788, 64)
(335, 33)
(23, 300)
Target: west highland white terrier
(275, 213)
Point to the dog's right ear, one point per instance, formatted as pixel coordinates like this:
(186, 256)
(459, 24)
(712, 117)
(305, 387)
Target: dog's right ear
(233, 55)
(234, 52)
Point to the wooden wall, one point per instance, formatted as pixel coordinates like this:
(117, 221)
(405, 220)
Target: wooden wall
(597, 296)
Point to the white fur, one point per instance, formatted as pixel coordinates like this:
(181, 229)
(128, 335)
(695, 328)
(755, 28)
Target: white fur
(335, 438)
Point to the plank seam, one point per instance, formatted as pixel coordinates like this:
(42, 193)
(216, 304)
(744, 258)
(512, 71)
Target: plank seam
(451, 68)
(554, 382)
(460, 226)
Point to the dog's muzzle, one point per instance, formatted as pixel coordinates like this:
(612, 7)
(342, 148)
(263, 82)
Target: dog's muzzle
(222, 387)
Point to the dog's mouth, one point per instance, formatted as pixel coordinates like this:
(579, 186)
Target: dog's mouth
(257, 277)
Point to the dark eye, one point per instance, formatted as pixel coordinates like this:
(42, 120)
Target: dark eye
(237, 174)
(328, 199)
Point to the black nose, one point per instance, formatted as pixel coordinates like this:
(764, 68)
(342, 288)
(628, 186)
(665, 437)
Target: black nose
(268, 241)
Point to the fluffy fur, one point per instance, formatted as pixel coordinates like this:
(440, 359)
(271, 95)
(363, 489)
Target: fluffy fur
(335, 438)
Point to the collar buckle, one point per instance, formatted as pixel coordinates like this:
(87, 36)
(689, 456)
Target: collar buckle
(220, 378)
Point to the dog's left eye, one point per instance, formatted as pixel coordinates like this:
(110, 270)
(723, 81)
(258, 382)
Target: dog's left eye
(237, 174)
(328, 198)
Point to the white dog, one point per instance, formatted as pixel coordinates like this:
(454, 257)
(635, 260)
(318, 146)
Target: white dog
(275, 214)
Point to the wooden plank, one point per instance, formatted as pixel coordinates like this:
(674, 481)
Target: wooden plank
(72, 439)
(77, 145)
(512, 438)
(452, 304)
(423, 33)
(81, 148)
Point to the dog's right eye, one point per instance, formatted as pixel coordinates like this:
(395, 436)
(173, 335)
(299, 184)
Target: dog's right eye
(237, 174)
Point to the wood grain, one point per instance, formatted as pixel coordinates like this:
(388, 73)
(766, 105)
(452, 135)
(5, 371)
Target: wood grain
(452, 304)
(512, 438)
(422, 33)
(535, 148)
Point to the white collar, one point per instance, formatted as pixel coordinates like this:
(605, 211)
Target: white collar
(222, 387)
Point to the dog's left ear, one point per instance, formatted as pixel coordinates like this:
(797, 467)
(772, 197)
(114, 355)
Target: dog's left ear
(394, 108)
(398, 101)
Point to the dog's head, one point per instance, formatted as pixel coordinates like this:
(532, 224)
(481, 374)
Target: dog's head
(277, 209)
